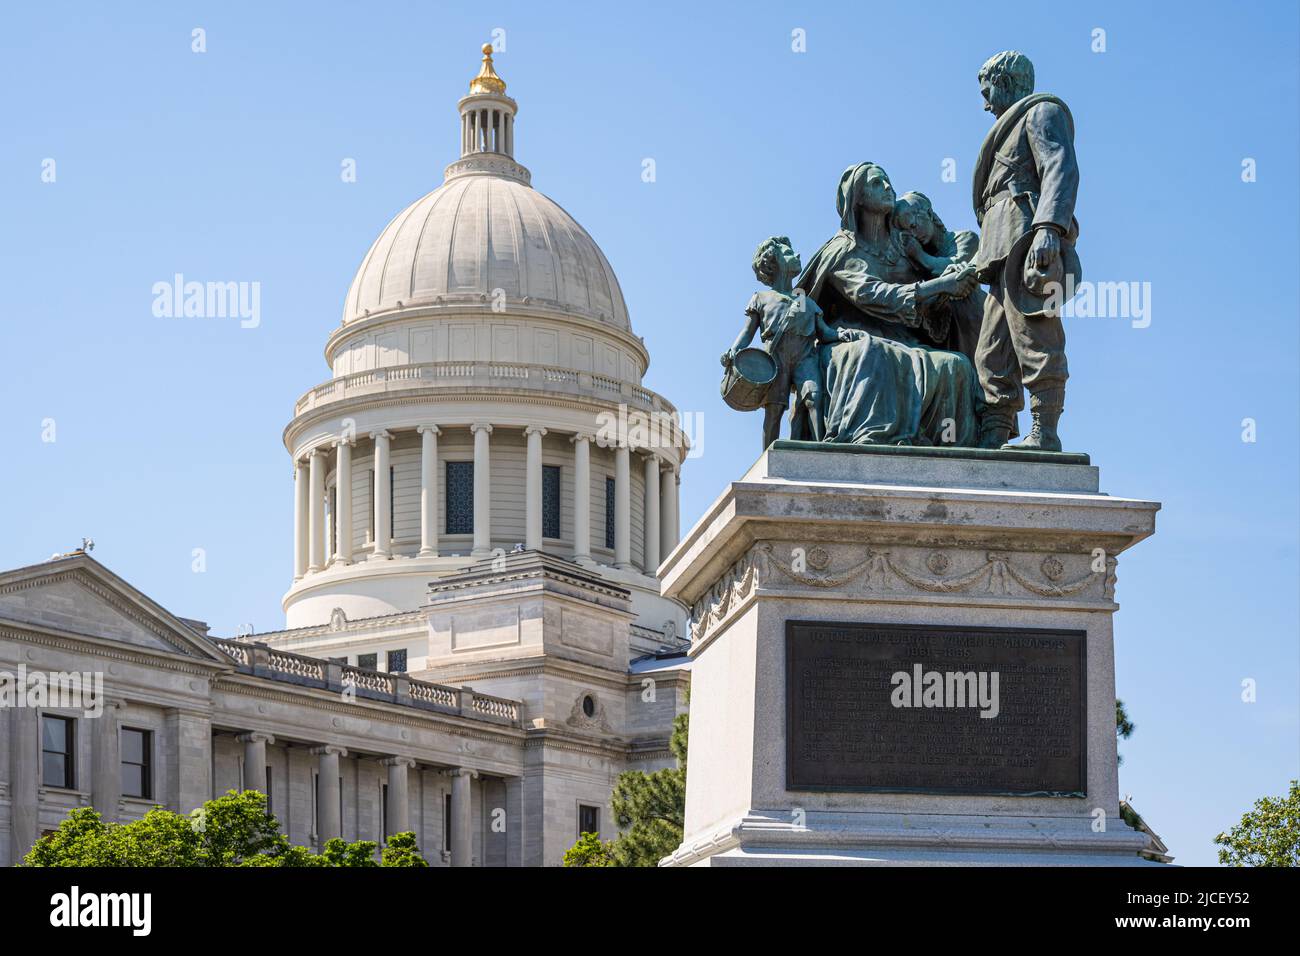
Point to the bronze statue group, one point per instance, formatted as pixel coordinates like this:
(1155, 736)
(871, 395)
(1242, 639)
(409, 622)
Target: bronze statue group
(887, 336)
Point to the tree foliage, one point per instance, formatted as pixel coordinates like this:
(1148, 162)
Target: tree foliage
(232, 830)
(1123, 726)
(590, 851)
(649, 809)
(1268, 835)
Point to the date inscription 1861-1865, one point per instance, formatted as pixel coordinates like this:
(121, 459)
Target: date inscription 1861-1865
(962, 710)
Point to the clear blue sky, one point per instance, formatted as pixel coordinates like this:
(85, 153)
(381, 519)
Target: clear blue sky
(225, 166)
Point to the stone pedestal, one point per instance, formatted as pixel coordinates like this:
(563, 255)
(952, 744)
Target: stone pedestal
(905, 561)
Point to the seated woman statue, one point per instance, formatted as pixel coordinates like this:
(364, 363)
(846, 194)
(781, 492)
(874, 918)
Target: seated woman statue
(903, 382)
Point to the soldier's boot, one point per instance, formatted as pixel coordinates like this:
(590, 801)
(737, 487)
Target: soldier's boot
(995, 429)
(1042, 436)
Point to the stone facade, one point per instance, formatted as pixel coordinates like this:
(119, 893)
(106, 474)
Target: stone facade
(481, 777)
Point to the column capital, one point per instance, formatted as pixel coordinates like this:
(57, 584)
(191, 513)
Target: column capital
(407, 762)
(480, 427)
(322, 750)
(431, 429)
(381, 433)
(581, 436)
(460, 772)
(320, 450)
(255, 737)
(535, 430)
(667, 464)
(341, 441)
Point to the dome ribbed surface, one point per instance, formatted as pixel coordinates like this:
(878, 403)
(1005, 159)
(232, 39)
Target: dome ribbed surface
(479, 233)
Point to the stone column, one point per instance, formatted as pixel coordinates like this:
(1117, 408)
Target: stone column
(429, 490)
(622, 507)
(301, 518)
(24, 780)
(514, 821)
(188, 738)
(582, 498)
(106, 782)
(533, 489)
(651, 513)
(383, 523)
(462, 829)
(668, 534)
(343, 502)
(255, 760)
(328, 824)
(316, 534)
(398, 806)
(482, 490)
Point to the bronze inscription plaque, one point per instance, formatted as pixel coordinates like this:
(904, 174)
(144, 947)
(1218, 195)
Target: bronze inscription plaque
(917, 709)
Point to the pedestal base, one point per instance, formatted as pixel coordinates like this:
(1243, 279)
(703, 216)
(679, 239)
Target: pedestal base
(825, 581)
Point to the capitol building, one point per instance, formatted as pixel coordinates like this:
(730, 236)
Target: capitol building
(475, 642)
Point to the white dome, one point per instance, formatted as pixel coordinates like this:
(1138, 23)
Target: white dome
(478, 233)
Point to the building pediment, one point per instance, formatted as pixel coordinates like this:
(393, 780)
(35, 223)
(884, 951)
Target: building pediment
(76, 595)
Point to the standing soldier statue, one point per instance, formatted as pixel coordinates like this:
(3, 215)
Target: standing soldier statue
(1025, 184)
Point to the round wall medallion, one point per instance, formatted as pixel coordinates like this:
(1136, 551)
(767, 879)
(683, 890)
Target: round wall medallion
(819, 559)
(1052, 568)
(938, 562)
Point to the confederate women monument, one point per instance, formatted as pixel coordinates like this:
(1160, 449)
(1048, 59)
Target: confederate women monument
(901, 619)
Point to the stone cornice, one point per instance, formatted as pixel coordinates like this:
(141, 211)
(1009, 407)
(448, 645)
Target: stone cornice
(458, 394)
(76, 643)
(331, 702)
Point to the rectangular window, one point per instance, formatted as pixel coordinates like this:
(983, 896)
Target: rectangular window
(383, 809)
(369, 662)
(446, 822)
(397, 661)
(588, 819)
(550, 501)
(392, 499)
(370, 496)
(315, 802)
(137, 769)
(333, 504)
(460, 497)
(58, 737)
(270, 803)
(609, 513)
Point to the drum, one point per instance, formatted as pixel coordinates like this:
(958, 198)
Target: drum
(746, 383)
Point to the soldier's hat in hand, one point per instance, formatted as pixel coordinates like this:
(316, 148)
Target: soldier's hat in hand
(1039, 293)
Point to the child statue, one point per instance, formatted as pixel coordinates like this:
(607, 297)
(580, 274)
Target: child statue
(790, 325)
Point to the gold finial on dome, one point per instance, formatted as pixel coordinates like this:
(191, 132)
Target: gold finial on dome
(487, 80)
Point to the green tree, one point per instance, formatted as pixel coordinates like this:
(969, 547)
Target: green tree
(1268, 835)
(649, 809)
(1123, 726)
(402, 851)
(231, 830)
(589, 851)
